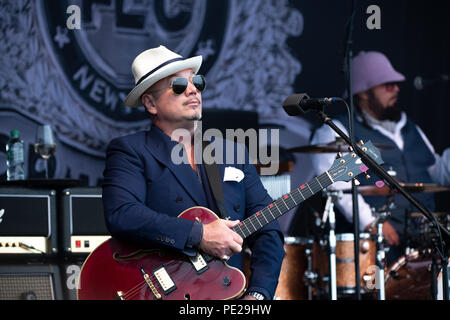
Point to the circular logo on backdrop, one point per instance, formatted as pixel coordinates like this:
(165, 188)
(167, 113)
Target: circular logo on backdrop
(96, 58)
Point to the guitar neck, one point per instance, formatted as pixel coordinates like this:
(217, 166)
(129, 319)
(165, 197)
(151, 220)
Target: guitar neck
(282, 205)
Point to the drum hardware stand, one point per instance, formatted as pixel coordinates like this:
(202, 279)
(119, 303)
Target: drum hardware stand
(310, 277)
(381, 215)
(329, 214)
(435, 268)
(434, 275)
(380, 255)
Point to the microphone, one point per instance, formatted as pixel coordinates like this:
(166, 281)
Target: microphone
(300, 103)
(420, 82)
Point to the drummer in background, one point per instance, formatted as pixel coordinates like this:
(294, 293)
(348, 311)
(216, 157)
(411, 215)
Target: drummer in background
(379, 118)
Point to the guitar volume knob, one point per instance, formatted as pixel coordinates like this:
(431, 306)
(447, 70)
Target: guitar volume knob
(226, 281)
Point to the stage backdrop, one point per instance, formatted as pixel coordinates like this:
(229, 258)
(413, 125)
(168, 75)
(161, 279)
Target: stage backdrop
(256, 53)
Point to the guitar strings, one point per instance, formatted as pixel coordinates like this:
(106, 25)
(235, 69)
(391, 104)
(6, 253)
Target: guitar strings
(171, 266)
(138, 287)
(290, 202)
(143, 284)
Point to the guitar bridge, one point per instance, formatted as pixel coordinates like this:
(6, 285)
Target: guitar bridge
(150, 284)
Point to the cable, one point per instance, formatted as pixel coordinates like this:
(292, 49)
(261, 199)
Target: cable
(27, 247)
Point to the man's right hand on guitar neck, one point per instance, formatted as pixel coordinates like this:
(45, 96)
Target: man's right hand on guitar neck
(219, 240)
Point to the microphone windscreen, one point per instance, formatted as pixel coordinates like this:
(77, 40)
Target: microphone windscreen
(292, 104)
(418, 83)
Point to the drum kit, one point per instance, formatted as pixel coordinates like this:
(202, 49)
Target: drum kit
(323, 267)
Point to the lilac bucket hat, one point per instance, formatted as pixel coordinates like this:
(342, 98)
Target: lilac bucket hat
(372, 68)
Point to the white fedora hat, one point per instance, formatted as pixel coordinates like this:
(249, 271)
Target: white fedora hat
(153, 65)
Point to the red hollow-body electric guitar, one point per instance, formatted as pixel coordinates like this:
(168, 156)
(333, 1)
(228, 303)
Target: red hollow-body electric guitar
(118, 270)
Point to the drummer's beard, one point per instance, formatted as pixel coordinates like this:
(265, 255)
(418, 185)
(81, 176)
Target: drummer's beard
(391, 112)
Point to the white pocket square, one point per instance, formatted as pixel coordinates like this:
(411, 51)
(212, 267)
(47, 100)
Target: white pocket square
(233, 174)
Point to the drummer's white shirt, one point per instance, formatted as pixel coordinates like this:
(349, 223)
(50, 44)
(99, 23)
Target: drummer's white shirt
(439, 172)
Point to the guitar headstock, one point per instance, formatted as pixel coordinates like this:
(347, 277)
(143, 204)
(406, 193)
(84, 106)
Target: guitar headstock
(350, 165)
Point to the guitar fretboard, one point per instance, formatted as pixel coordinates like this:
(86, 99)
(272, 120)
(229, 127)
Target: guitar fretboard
(282, 205)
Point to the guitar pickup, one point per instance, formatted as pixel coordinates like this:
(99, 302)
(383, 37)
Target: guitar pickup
(164, 280)
(199, 263)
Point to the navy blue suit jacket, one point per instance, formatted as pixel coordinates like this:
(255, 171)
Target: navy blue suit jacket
(144, 192)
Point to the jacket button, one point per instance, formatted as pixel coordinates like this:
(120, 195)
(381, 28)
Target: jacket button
(179, 199)
(236, 207)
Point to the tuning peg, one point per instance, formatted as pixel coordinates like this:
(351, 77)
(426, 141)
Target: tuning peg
(339, 155)
(361, 143)
(350, 149)
(367, 175)
(357, 183)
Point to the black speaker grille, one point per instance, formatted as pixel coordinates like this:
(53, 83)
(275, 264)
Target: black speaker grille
(20, 286)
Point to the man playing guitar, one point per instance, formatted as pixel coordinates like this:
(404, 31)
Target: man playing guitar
(144, 191)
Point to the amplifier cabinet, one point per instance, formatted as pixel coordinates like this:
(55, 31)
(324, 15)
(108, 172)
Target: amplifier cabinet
(30, 282)
(83, 223)
(28, 222)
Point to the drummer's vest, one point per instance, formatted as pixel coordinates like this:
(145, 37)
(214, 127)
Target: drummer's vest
(410, 165)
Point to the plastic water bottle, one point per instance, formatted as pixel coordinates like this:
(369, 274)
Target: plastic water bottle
(15, 157)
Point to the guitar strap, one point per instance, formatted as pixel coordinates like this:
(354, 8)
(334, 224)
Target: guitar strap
(215, 182)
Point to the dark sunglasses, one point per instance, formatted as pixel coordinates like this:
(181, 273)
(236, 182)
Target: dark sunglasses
(179, 85)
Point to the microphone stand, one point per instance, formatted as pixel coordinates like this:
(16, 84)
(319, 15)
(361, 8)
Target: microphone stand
(381, 173)
(381, 215)
(348, 70)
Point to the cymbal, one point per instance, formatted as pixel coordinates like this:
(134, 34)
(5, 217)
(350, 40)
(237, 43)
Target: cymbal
(410, 187)
(339, 145)
(436, 214)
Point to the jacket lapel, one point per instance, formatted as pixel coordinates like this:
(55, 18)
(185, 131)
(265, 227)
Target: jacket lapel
(160, 146)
